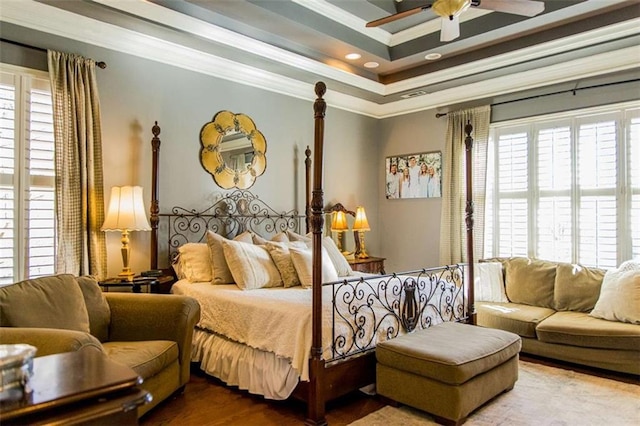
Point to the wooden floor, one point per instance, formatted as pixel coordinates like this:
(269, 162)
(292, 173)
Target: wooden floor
(207, 401)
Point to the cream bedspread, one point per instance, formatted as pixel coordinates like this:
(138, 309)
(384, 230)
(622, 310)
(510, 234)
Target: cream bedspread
(278, 320)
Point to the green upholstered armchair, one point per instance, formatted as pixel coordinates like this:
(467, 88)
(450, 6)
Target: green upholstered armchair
(151, 333)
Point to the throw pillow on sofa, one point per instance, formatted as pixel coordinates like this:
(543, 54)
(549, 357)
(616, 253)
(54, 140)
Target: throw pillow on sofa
(620, 295)
(46, 302)
(530, 281)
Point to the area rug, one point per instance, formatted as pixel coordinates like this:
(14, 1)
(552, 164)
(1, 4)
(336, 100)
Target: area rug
(543, 395)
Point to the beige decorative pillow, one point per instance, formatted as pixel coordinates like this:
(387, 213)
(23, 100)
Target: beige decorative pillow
(302, 259)
(250, 265)
(280, 237)
(220, 272)
(97, 307)
(297, 237)
(194, 262)
(577, 287)
(257, 239)
(339, 261)
(47, 302)
(282, 258)
(620, 295)
(530, 281)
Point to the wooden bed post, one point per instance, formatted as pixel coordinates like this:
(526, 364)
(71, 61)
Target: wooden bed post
(468, 141)
(307, 189)
(316, 400)
(154, 209)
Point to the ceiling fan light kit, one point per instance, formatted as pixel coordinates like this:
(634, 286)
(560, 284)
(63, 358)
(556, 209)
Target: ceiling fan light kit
(450, 10)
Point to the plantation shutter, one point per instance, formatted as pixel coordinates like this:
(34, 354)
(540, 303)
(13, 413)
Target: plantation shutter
(27, 180)
(512, 188)
(633, 165)
(554, 212)
(597, 184)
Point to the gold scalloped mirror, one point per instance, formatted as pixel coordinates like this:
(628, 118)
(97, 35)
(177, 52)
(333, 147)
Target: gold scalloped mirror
(233, 150)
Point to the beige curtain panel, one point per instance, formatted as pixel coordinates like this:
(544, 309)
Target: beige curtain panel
(453, 236)
(78, 161)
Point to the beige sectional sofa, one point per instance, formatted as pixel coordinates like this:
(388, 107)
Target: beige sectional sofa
(549, 304)
(151, 333)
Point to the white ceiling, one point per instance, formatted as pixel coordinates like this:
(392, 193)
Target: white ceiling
(287, 45)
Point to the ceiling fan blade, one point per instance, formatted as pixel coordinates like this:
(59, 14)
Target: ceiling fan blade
(449, 29)
(516, 7)
(397, 16)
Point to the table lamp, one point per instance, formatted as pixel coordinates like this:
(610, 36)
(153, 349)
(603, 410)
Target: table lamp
(361, 225)
(339, 225)
(126, 213)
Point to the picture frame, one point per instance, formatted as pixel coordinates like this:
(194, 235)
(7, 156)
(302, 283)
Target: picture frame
(416, 175)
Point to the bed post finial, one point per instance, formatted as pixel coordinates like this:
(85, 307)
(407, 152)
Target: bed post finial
(471, 309)
(155, 208)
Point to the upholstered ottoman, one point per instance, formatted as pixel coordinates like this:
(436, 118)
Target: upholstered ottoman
(449, 369)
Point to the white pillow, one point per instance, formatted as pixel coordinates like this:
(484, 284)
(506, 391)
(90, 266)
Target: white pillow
(339, 261)
(282, 258)
(220, 272)
(251, 265)
(489, 283)
(620, 294)
(302, 262)
(194, 262)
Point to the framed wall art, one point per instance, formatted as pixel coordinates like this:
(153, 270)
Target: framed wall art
(414, 175)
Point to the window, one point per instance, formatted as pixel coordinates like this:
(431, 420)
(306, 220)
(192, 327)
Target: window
(565, 187)
(27, 180)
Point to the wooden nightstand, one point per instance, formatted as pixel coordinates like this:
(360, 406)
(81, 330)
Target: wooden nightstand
(372, 265)
(135, 285)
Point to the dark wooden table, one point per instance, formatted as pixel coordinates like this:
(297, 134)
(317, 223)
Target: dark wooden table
(135, 285)
(82, 387)
(372, 265)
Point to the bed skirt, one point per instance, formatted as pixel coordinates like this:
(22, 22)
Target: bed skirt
(258, 372)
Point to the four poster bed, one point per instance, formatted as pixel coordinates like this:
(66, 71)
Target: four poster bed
(313, 343)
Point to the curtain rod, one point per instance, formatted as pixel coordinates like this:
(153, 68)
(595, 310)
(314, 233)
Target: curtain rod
(100, 64)
(573, 91)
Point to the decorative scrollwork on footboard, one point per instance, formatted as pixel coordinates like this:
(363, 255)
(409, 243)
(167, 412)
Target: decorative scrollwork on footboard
(371, 309)
(234, 213)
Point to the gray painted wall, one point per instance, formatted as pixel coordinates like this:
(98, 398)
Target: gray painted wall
(135, 92)
(411, 227)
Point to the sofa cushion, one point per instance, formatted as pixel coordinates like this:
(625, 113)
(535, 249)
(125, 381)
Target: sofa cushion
(147, 358)
(513, 317)
(577, 287)
(580, 329)
(530, 281)
(46, 302)
(97, 307)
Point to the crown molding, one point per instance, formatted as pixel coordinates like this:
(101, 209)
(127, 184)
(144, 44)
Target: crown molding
(49, 19)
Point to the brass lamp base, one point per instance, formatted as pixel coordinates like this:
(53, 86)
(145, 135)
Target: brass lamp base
(126, 274)
(362, 254)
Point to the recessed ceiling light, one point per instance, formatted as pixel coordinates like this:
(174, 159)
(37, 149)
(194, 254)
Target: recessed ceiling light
(371, 65)
(433, 56)
(353, 56)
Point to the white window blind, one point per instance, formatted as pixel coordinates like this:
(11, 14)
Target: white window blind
(27, 180)
(566, 187)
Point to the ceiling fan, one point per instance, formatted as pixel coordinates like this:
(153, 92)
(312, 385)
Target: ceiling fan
(450, 10)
